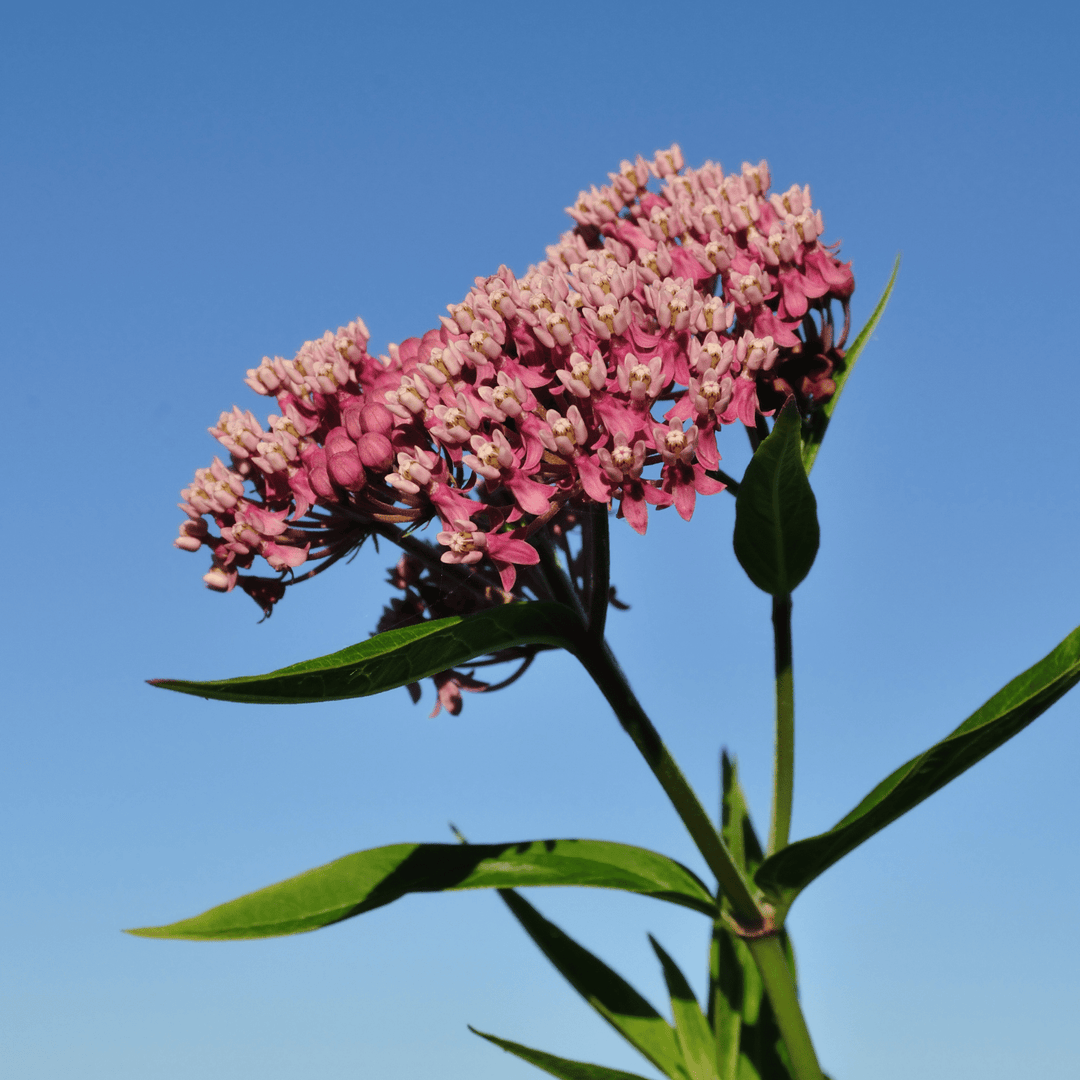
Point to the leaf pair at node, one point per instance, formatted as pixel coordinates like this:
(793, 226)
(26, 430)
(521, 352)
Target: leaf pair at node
(736, 1038)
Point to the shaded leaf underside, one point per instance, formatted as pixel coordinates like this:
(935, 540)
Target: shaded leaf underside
(396, 657)
(369, 879)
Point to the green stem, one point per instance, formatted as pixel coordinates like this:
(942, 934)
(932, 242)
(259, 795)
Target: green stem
(600, 572)
(562, 588)
(608, 676)
(784, 761)
(597, 659)
(779, 985)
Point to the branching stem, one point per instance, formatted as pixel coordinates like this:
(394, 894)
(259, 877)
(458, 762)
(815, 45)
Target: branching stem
(608, 676)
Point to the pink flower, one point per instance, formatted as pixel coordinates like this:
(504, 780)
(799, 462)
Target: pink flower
(680, 291)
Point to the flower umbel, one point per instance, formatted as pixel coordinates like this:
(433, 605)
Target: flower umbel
(602, 375)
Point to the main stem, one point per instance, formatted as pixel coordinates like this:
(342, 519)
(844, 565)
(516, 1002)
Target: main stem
(599, 661)
(766, 950)
(784, 761)
(608, 676)
(769, 956)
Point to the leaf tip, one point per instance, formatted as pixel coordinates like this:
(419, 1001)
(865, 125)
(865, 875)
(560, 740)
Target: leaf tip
(166, 684)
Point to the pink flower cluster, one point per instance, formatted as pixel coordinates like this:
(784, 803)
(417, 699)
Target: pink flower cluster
(684, 300)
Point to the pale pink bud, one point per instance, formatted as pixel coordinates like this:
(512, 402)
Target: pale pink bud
(220, 580)
(793, 202)
(668, 162)
(757, 177)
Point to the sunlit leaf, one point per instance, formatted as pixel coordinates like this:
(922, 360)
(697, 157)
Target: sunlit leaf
(776, 527)
(369, 879)
(728, 956)
(1009, 711)
(695, 1037)
(396, 657)
(563, 1068)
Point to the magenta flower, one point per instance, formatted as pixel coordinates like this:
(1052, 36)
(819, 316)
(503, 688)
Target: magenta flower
(682, 297)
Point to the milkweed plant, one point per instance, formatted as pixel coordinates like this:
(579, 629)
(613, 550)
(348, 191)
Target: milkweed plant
(493, 451)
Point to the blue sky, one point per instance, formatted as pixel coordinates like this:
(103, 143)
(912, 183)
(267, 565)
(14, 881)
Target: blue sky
(188, 188)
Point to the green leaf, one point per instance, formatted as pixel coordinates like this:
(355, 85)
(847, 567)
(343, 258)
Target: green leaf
(563, 1068)
(605, 990)
(729, 975)
(752, 1048)
(776, 526)
(397, 657)
(748, 1042)
(695, 1036)
(369, 879)
(736, 828)
(727, 982)
(1009, 711)
(819, 418)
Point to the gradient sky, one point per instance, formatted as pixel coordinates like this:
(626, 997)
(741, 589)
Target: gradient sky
(189, 187)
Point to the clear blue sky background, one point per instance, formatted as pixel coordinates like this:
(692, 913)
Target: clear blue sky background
(189, 187)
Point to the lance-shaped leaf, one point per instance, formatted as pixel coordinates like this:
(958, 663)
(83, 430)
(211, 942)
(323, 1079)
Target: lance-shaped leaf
(820, 417)
(1011, 709)
(776, 526)
(396, 657)
(732, 972)
(736, 828)
(563, 1068)
(695, 1036)
(605, 990)
(369, 879)
(748, 1043)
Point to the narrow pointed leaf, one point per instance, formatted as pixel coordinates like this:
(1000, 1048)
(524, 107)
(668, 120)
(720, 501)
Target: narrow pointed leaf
(727, 982)
(563, 1068)
(776, 526)
(695, 1036)
(736, 828)
(396, 657)
(369, 879)
(604, 989)
(1009, 711)
(748, 1043)
(819, 419)
(729, 977)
